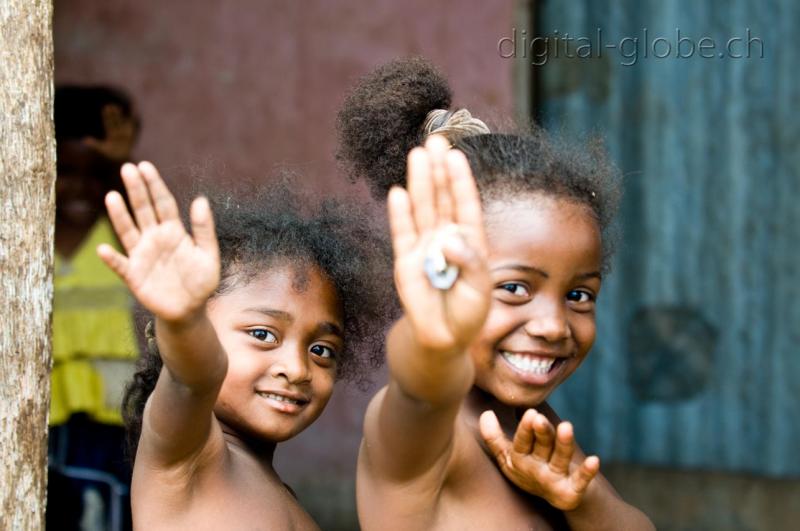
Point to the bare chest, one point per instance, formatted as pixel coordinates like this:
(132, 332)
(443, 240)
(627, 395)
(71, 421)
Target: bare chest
(239, 499)
(474, 496)
(477, 496)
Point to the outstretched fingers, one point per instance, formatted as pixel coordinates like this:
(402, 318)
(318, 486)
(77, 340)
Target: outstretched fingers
(564, 449)
(203, 226)
(545, 438)
(468, 210)
(162, 199)
(113, 259)
(421, 190)
(138, 196)
(495, 439)
(437, 147)
(524, 436)
(585, 473)
(121, 220)
(401, 222)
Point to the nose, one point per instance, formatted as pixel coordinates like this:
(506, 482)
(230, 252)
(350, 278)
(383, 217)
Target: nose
(548, 320)
(292, 364)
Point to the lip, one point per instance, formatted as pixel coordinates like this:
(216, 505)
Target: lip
(298, 400)
(531, 378)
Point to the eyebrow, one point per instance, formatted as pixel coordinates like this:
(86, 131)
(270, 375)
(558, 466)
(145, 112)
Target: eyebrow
(277, 314)
(535, 270)
(330, 328)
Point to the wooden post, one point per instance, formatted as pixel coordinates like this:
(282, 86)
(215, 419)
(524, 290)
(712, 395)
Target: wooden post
(27, 176)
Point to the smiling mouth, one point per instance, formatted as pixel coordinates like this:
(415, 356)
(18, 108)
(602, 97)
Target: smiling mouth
(530, 364)
(285, 400)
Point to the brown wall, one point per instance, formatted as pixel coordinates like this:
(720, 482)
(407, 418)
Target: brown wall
(234, 89)
(240, 87)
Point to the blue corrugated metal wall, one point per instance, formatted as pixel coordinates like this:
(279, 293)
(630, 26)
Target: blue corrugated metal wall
(711, 220)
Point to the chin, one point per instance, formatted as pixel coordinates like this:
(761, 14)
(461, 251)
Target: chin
(516, 396)
(278, 433)
(279, 437)
(512, 392)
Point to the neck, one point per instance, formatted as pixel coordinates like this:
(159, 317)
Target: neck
(262, 450)
(479, 401)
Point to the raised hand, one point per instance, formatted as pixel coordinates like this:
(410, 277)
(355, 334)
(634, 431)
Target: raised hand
(120, 134)
(171, 272)
(441, 194)
(539, 460)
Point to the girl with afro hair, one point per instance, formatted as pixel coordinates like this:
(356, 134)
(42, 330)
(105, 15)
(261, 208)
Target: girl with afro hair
(254, 321)
(498, 277)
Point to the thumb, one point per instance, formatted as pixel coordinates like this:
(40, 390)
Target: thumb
(495, 439)
(116, 261)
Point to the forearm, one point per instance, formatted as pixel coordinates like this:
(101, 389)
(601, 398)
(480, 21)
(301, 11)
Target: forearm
(603, 509)
(409, 425)
(191, 351)
(440, 379)
(178, 415)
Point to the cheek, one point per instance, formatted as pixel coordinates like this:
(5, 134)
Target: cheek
(500, 322)
(584, 331)
(227, 399)
(244, 369)
(322, 383)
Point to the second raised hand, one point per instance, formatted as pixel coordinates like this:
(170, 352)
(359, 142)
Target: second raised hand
(441, 195)
(540, 458)
(171, 272)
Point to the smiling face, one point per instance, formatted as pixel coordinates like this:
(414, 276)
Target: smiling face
(80, 186)
(282, 344)
(544, 260)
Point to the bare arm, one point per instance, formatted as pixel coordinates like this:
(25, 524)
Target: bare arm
(409, 425)
(172, 274)
(603, 509)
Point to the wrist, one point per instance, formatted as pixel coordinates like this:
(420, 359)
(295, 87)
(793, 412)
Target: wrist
(431, 347)
(430, 375)
(184, 322)
(586, 510)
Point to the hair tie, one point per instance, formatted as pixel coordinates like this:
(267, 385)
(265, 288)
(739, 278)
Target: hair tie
(454, 125)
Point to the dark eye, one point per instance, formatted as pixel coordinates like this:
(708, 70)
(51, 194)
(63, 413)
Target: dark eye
(322, 351)
(262, 334)
(515, 288)
(580, 296)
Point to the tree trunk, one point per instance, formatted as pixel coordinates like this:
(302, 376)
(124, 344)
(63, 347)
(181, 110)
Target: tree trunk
(27, 175)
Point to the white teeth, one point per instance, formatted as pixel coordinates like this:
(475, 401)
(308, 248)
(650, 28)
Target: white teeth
(280, 398)
(530, 364)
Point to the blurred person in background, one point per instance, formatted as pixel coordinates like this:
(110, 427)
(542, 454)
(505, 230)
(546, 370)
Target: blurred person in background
(94, 345)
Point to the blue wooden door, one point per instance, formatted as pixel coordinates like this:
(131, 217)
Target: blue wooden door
(697, 362)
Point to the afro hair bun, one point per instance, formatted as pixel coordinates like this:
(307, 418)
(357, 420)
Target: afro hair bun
(382, 118)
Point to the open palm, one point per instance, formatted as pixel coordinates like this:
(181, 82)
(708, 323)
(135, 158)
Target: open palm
(540, 459)
(441, 194)
(170, 272)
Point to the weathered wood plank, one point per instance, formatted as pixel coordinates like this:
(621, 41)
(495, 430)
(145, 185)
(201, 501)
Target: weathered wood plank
(710, 219)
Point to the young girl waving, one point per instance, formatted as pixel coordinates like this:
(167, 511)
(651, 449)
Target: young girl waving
(253, 323)
(461, 437)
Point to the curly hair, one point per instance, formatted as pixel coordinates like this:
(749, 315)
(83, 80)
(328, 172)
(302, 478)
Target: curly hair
(268, 230)
(381, 120)
(392, 110)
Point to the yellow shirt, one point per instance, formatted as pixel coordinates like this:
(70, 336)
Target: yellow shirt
(94, 347)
